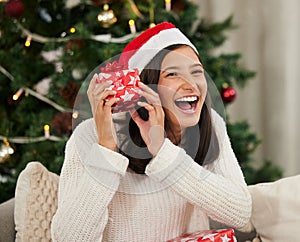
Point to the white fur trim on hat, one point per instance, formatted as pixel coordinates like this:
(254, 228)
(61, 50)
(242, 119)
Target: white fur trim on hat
(155, 44)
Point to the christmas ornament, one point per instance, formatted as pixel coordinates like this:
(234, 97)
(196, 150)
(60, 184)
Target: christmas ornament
(72, 3)
(228, 94)
(45, 15)
(43, 86)
(14, 8)
(5, 151)
(69, 93)
(62, 123)
(107, 17)
(178, 6)
(78, 74)
(53, 55)
(75, 44)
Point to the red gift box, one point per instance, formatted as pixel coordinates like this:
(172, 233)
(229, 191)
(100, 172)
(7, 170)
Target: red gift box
(125, 83)
(218, 235)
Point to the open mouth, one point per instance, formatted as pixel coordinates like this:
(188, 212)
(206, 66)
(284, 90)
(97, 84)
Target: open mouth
(187, 104)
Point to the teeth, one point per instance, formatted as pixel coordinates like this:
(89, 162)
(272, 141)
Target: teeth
(187, 99)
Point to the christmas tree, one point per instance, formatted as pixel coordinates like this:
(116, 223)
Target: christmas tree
(48, 48)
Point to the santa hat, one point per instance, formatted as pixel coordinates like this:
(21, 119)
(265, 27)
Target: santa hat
(141, 50)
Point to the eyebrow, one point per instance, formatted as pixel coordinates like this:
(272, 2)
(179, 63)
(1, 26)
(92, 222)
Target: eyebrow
(176, 67)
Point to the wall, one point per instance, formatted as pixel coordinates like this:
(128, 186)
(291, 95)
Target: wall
(268, 37)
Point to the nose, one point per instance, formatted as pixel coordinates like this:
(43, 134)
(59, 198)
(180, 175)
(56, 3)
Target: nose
(188, 83)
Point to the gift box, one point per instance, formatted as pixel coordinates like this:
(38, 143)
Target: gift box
(125, 83)
(219, 235)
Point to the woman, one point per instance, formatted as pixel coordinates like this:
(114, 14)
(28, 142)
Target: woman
(165, 176)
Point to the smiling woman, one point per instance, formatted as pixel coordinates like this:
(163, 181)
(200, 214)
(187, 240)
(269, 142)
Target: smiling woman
(177, 75)
(182, 86)
(128, 177)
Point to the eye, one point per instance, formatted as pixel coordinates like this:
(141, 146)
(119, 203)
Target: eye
(171, 74)
(197, 72)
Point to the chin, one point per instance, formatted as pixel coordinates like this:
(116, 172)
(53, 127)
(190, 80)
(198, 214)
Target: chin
(189, 122)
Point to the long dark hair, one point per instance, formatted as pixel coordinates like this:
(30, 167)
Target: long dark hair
(202, 134)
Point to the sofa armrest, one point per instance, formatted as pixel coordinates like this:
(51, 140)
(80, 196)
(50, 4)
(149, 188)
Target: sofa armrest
(7, 224)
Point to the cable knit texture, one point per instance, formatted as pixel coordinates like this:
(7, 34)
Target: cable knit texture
(35, 203)
(101, 200)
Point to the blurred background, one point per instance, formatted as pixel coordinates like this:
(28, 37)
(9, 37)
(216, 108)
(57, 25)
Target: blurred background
(249, 48)
(268, 36)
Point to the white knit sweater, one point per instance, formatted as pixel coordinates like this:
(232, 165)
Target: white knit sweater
(101, 200)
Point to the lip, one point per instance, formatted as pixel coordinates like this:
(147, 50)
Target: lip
(193, 109)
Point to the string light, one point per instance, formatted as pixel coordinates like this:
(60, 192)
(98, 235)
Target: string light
(28, 41)
(72, 30)
(5, 150)
(132, 26)
(168, 5)
(105, 38)
(28, 91)
(47, 131)
(152, 25)
(27, 140)
(75, 114)
(18, 94)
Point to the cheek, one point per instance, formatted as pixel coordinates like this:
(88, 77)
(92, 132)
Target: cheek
(202, 85)
(166, 95)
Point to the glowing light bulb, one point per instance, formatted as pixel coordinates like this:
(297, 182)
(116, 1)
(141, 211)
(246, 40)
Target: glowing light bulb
(72, 30)
(168, 5)
(18, 94)
(28, 41)
(132, 26)
(47, 131)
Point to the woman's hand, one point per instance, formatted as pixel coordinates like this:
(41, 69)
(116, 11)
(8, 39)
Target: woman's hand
(152, 130)
(101, 109)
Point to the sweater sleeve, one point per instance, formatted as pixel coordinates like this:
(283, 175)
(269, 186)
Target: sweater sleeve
(86, 188)
(220, 191)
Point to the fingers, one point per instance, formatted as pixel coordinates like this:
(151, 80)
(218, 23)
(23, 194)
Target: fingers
(92, 83)
(152, 104)
(109, 103)
(145, 88)
(101, 88)
(135, 116)
(98, 94)
(96, 88)
(149, 107)
(151, 96)
(102, 100)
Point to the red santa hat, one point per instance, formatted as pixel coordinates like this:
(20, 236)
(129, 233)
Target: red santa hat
(141, 50)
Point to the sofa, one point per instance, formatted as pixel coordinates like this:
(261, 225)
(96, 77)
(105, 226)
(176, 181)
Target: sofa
(27, 216)
(7, 223)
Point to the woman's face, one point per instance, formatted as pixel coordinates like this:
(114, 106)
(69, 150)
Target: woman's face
(182, 87)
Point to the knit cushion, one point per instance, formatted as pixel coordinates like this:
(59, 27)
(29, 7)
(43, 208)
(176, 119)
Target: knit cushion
(276, 209)
(35, 203)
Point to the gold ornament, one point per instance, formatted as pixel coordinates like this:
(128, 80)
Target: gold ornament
(107, 17)
(5, 151)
